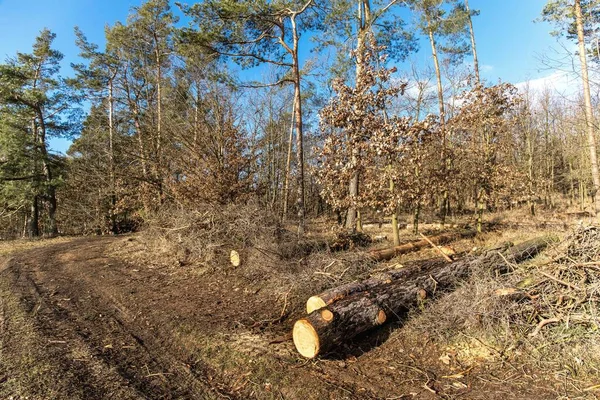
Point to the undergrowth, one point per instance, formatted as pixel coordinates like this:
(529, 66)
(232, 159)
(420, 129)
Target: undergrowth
(542, 315)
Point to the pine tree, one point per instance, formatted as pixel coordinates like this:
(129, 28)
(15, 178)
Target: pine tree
(568, 15)
(30, 86)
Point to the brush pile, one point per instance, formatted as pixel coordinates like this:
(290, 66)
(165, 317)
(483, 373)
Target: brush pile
(208, 234)
(544, 314)
(567, 290)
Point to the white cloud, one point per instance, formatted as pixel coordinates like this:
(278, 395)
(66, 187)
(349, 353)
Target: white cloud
(559, 83)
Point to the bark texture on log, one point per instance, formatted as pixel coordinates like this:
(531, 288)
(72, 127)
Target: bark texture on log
(314, 334)
(363, 310)
(389, 253)
(384, 278)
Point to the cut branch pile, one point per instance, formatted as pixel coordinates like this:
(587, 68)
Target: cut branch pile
(389, 253)
(566, 291)
(344, 312)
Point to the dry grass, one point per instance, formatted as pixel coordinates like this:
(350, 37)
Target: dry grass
(273, 260)
(8, 247)
(206, 236)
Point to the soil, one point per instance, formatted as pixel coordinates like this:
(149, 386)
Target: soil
(84, 319)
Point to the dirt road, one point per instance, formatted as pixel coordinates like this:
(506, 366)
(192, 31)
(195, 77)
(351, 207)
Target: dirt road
(97, 332)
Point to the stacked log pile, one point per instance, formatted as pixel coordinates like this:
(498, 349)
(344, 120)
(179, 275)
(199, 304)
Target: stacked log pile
(342, 313)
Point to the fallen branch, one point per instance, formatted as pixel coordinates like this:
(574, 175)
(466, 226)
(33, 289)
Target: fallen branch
(568, 284)
(437, 248)
(542, 324)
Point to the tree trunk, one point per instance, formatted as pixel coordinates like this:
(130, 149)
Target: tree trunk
(299, 132)
(353, 217)
(159, 131)
(395, 230)
(325, 328)
(530, 175)
(343, 320)
(387, 254)
(480, 209)
(33, 224)
(50, 195)
(111, 158)
(288, 164)
(440, 95)
(473, 47)
(571, 185)
(52, 207)
(589, 115)
(344, 291)
(416, 213)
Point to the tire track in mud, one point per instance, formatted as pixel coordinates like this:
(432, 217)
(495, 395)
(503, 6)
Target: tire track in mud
(104, 347)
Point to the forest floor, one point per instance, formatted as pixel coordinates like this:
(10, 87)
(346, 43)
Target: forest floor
(101, 318)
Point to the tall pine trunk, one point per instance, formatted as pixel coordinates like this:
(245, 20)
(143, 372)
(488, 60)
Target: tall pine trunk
(50, 195)
(589, 114)
(473, 46)
(299, 132)
(111, 158)
(288, 163)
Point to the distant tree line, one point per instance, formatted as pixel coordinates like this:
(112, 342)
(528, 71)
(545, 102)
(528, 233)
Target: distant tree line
(297, 105)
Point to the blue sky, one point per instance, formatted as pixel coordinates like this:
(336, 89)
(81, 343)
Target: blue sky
(509, 43)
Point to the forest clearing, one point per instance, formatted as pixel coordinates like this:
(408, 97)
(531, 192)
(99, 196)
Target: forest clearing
(135, 316)
(281, 199)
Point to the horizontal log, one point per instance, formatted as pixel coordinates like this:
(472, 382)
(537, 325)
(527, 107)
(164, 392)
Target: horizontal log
(364, 310)
(389, 253)
(341, 292)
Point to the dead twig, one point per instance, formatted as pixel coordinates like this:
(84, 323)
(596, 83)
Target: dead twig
(542, 324)
(343, 273)
(568, 284)
(327, 274)
(437, 248)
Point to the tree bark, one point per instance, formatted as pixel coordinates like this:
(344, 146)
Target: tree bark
(343, 320)
(111, 157)
(50, 195)
(338, 293)
(442, 110)
(589, 114)
(293, 51)
(33, 225)
(288, 163)
(299, 132)
(159, 131)
(473, 46)
(389, 253)
(353, 217)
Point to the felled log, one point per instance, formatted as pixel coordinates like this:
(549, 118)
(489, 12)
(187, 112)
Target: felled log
(342, 320)
(385, 278)
(332, 295)
(389, 253)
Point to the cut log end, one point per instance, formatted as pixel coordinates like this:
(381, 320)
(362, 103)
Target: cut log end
(306, 339)
(234, 257)
(314, 303)
(381, 317)
(327, 315)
